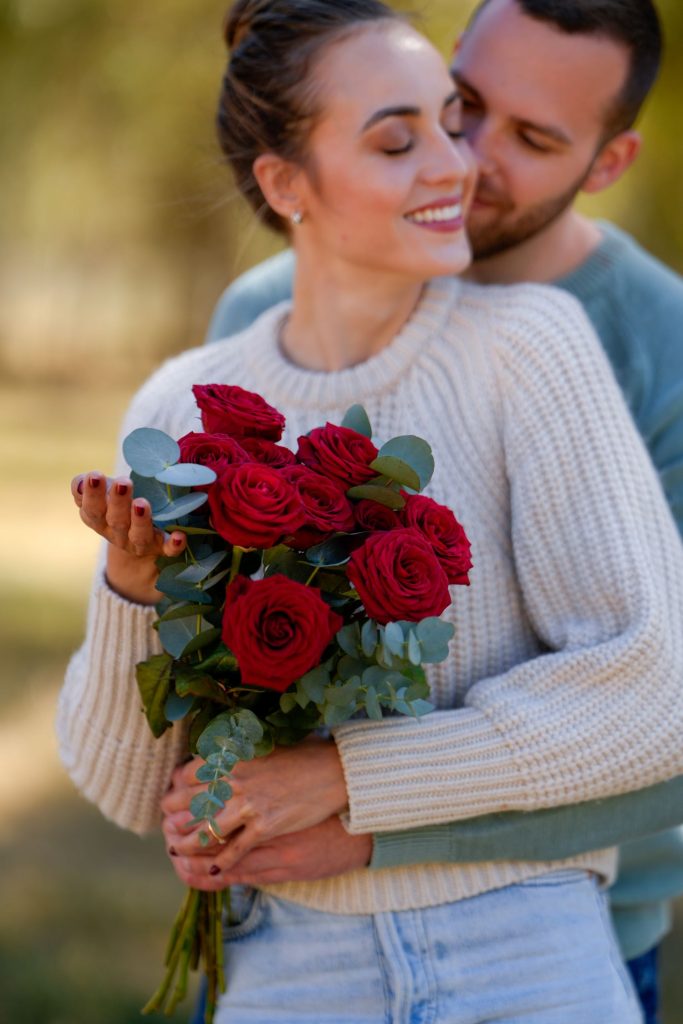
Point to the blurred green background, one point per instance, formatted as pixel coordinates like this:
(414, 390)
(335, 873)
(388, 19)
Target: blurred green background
(119, 228)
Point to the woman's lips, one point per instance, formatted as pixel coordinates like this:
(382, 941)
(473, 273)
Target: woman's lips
(445, 215)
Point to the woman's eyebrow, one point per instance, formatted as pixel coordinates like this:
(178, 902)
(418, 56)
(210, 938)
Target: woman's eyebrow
(403, 111)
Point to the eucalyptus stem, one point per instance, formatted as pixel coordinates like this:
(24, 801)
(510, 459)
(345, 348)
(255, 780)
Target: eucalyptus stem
(189, 924)
(312, 576)
(237, 553)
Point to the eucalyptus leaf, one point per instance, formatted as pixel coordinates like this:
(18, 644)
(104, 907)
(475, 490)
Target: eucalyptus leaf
(415, 452)
(372, 707)
(420, 707)
(334, 715)
(177, 707)
(394, 638)
(204, 805)
(150, 489)
(177, 635)
(199, 570)
(343, 695)
(222, 790)
(434, 635)
(180, 507)
(397, 470)
(368, 637)
(314, 682)
(168, 583)
(356, 418)
(414, 652)
(349, 666)
(186, 474)
(374, 492)
(181, 611)
(203, 639)
(287, 702)
(148, 451)
(334, 551)
(348, 638)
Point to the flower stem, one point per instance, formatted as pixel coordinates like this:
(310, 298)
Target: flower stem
(237, 553)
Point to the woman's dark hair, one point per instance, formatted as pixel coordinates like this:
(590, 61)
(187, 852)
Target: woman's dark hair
(633, 23)
(267, 102)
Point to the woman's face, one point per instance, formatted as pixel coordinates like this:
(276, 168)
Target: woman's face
(387, 179)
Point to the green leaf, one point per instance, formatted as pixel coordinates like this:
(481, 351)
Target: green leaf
(187, 682)
(180, 507)
(287, 702)
(394, 638)
(420, 708)
(382, 495)
(334, 715)
(368, 637)
(372, 708)
(356, 418)
(168, 583)
(434, 635)
(397, 470)
(414, 652)
(155, 493)
(176, 707)
(341, 695)
(265, 745)
(348, 639)
(222, 790)
(186, 474)
(204, 805)
(314, 682)
(349, 666)
(334, 551)
(198, 571)
(415, 452)
(179, 636)
(154, 682)
(181, 611)
(147, 451)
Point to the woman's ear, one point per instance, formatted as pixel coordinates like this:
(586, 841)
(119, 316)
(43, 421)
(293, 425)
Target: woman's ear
(280, 182)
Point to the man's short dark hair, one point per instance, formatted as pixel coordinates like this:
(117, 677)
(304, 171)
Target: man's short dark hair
(633, 23)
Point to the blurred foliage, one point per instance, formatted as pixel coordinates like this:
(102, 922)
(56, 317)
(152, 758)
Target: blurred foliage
(120, 224)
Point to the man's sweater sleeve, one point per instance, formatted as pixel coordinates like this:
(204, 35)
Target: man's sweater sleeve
(601, 569)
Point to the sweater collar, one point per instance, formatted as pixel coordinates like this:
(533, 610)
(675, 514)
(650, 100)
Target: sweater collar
(591, 275)
(283, 380)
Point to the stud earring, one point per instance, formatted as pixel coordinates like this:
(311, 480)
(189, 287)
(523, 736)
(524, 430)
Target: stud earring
(296, 217)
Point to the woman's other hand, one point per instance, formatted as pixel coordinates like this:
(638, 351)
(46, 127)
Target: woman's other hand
(107, 507)
(322, 851)
(292, 789)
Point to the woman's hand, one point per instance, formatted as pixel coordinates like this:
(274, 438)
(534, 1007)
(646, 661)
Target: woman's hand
(322, 851)
(293, 788)
(108, 508)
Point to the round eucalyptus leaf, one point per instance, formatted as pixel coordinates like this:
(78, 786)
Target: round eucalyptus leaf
(397, 470)
(180, 507)
(382, 495)
(356, 419)
(415, 452)
(186, 474)
(147, 451)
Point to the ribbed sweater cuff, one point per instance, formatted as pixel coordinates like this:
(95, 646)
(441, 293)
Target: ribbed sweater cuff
(431, 845)
(403, 774)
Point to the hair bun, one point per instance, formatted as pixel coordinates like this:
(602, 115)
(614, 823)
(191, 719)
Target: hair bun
(239, 20)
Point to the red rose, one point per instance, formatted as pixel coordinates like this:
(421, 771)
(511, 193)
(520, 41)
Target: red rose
(370, 515)
(327, 508)
(253, 506)
(277, 629)
(445, 534)
(398, 576)
(275, 455)
(213, 450)
(228, 409)
(340, 453)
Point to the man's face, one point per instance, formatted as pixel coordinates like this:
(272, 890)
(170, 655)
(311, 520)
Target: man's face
(535, 105)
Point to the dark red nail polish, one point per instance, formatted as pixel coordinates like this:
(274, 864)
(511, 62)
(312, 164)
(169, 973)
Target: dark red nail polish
(79, 488)
(172, 851)
(94, 481)
(121, 489)
(139, 510)
(214, 870)
(177, 541)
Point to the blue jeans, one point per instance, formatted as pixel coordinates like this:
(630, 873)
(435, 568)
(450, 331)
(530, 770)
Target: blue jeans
(644, 971)
(541, 952)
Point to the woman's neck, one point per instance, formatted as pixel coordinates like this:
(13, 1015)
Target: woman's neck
(343, 315)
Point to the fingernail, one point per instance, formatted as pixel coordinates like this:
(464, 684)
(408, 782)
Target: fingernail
(214, 870)
(177, 541)
(79, 488)
(139, 510)
(94, 481)
(172, 851)
(121, 489)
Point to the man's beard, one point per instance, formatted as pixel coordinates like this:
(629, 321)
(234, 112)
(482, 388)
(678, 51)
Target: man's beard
(497, 237)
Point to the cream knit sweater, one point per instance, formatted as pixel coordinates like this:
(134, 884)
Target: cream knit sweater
(565, 680)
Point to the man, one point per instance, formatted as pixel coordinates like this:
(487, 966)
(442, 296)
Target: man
(550, 89)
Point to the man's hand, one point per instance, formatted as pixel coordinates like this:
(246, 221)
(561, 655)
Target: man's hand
(322, 851)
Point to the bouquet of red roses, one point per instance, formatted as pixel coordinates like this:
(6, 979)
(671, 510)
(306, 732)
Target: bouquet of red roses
(309, 592)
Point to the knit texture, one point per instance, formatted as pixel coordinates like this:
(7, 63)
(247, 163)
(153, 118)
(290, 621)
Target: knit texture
(564, 681)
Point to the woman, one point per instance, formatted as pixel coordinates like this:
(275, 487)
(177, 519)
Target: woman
(564, 682)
